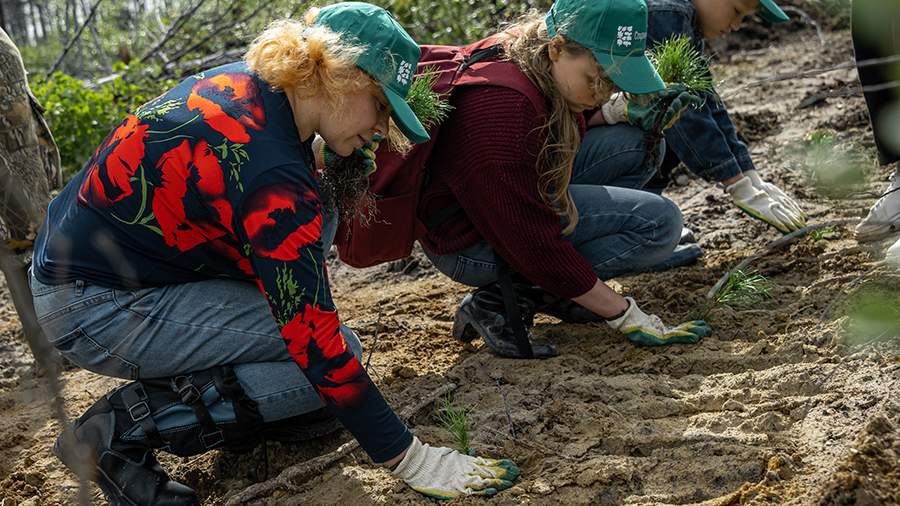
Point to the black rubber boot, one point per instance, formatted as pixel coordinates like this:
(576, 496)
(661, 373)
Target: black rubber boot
(482, 313)
(127, 472)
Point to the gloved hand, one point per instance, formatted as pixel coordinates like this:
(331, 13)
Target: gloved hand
(443, 473)
(778, 196)
(649, 330)
(655, 111)
(760, 205)
(325, 156)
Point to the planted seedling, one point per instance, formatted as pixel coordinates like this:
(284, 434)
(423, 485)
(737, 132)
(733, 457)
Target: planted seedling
(744, 289)
(455, 419)
(741, 290)
(822, 234)
(678, 62)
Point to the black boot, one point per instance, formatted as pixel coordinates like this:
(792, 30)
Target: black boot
(483, 313)
(185, 415)
(126, 471)
(545, 302)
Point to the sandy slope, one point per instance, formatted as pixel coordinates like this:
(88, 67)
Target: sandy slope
(780, 406)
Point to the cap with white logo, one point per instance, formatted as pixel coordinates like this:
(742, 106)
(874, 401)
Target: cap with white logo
(389, 55)
(616, 32)
(771, 12)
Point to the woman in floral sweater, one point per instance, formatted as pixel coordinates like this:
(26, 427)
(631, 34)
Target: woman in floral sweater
(188, 256)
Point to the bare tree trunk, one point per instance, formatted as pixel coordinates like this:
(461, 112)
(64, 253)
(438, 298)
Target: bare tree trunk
(32, 165)
(45, 22)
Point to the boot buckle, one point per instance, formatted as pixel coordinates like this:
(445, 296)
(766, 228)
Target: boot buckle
(186, 390)
(212, 439)
(139, 410)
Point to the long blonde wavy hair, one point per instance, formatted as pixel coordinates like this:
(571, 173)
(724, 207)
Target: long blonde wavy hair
(527, 44)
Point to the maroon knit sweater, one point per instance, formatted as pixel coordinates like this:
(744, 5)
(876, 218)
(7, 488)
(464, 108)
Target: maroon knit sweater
(485, 158)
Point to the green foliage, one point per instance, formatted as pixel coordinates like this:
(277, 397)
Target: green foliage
(80, 117)
(678, 61)
(458, 21)
(827, 233)
(744, 289)
(430, 107)
(455, 420)
(836, 169)
(873, 314)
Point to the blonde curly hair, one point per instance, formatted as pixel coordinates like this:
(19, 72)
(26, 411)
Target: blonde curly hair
(308, 59)
(313, 61)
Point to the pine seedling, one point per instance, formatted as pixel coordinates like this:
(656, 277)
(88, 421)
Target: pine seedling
(678, 62)
(455, 420)
(744, 289)
(429, 106)
(827, 233)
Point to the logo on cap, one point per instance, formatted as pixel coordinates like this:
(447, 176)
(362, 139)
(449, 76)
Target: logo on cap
(404, 72)
(626, 33)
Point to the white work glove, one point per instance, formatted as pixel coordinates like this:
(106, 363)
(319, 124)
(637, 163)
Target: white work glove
(759, 204)
(614, 109)
(443, 473)
(778, 195)
(649, 330)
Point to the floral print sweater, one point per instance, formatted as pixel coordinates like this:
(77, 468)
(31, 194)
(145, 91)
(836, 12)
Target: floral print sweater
(212, 180)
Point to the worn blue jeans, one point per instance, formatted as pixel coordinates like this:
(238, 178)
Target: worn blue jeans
(172, 330)
(621, 230)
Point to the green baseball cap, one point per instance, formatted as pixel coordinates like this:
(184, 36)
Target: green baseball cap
(389, 55)
(616, 32)
(771, 12)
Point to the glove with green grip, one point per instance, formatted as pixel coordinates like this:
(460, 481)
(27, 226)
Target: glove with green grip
(649, 330)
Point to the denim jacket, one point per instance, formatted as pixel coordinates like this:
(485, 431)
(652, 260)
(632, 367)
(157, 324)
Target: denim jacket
(704, 139)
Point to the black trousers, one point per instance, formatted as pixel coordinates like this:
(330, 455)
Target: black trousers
(876, 34)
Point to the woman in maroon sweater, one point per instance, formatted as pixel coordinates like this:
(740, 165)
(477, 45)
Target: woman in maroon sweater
(506, 164)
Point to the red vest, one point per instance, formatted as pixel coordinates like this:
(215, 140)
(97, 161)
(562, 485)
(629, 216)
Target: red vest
(399, 180)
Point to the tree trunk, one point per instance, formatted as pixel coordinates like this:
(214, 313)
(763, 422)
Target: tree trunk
(32, 166)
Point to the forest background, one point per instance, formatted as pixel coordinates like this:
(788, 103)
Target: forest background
(90, 62)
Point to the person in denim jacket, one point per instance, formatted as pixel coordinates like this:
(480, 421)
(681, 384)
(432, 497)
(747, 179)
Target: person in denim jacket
(704, 138)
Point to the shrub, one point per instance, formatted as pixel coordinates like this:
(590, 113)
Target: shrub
(81, 116)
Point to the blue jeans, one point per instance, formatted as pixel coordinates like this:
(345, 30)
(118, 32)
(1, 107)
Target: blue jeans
(621, 230)
(172, 330)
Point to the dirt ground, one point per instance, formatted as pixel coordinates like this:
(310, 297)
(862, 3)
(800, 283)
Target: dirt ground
(784, 404)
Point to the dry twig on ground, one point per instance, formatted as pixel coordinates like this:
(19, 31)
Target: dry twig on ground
(287, 478)
(775, 246)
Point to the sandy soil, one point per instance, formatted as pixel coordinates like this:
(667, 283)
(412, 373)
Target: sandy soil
(782, 405)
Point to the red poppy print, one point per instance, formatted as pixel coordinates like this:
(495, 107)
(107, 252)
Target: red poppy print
(282, 220)
(227, 250)
(184, 220)
(315, 341)
(109, 173)
(230, 104)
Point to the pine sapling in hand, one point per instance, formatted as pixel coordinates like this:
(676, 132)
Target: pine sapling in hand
(678, 62)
